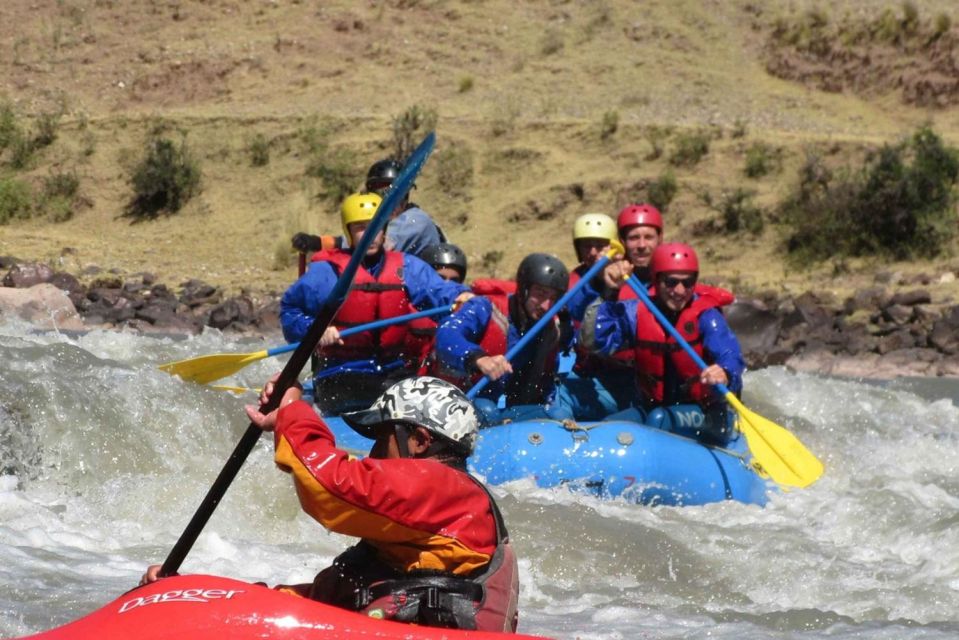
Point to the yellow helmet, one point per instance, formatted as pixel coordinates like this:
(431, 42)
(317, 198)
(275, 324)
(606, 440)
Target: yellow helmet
(358, 207)
(594, 225)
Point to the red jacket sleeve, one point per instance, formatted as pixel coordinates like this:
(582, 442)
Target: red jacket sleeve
(419, 513)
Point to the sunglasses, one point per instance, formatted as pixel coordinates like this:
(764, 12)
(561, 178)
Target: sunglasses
(671, 282)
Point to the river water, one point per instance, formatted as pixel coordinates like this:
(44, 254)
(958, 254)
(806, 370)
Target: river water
(103, 460)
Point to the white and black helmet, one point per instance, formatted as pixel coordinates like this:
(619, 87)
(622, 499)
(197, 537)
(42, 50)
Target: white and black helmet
(431, 403)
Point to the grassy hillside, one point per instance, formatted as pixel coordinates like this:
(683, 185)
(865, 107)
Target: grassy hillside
(545, 110)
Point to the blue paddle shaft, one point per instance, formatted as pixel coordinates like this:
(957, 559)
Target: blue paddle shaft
(636, 286)
(370, 326)
(536, 328)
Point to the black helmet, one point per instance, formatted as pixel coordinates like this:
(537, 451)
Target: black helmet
(445, 254)
(382, 174)
(542, 269)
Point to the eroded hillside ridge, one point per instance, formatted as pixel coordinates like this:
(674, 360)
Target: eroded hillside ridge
(890, 52)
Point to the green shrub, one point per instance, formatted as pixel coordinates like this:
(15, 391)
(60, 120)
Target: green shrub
(410, 127)
(164, 179)
(338, 169)
(9, 129)
(16, 200)
(609, 125)
(551, 42)
(761, 160)
(739, 213)
(454, 170)
(60, 195)
(465, 84)
(662, 190)
(48, 125)
(656, 137)
(259, 150)
(900, 203)
(21, 151)
(690, 149)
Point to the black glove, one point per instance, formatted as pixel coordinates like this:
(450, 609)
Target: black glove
(304, 242)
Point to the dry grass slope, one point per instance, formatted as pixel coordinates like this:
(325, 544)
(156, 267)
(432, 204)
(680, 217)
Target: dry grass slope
(546, 109)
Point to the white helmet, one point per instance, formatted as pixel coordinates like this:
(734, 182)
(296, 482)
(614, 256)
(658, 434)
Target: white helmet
(431, 403)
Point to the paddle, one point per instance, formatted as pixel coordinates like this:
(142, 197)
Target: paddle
(299, 358)
(616, 248)
(775, 450)
(206, 369)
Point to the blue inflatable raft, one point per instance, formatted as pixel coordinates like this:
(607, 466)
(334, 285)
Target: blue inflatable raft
(610, 459)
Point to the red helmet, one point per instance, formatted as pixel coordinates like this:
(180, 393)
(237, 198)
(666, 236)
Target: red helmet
(673, 256)
(636, 214)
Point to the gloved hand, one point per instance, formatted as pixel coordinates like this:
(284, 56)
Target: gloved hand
(304, 242)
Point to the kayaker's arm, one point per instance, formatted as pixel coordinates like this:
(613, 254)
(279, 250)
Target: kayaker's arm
(608, 326)
(304, 299)
(458, 336)
(723, 348)
(426, 288)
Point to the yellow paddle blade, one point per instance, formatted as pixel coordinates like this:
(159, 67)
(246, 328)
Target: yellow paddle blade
(776, 452)
(238, 390)
(206, 369)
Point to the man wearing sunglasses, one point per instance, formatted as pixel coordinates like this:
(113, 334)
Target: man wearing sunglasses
(665, 375)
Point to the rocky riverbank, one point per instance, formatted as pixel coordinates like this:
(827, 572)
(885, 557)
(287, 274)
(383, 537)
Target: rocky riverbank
(884, 331)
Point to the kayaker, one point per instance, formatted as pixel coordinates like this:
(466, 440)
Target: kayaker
(640, 230)
(447, 260)
(411, 230)
(350, 373)
(665, 374)
(434, 548)
(473, 341)
(599, 385)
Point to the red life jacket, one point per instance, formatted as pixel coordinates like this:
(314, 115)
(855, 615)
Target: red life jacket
(371, 299)
(493, 287)
(654, 346)
(420, 341)
(626, 358)
(485, 602)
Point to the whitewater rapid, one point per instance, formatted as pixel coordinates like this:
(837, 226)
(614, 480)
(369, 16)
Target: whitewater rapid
(104, 459)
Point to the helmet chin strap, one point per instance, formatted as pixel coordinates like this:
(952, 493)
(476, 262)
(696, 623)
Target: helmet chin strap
(402, 439)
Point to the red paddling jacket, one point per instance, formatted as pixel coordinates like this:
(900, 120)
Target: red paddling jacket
(429, 532)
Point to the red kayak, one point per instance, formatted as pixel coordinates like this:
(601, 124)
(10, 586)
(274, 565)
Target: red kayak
(198, 607)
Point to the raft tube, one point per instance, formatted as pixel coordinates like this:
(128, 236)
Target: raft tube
(614, 459)
(199, 607)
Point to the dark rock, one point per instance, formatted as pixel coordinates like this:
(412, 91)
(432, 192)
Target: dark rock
(106, 282)
(912, 298)
(109, 295)
(945, 332)
(196, 293)
(898, 314)
(69, 284)
(757, 328)
(132, 287)
(25, 275)
(866, 299)
(8, 261)
(267, 317)
(895, 341)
